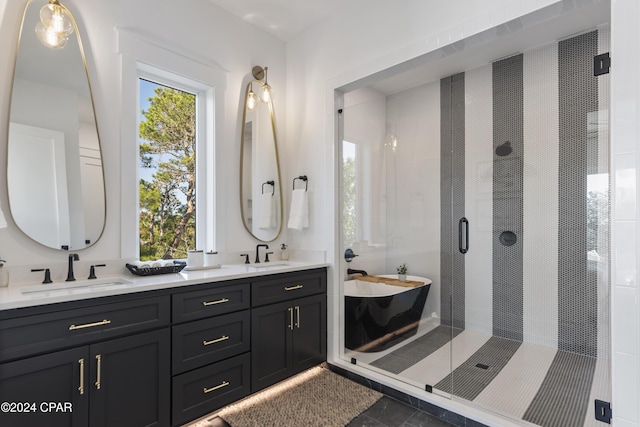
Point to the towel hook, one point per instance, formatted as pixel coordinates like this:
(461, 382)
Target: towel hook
(302, 178)
(273, 186)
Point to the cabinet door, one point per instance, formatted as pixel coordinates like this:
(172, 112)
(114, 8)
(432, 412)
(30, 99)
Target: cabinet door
(310, 332)
(56, 383)
(271, 344)
(130, 381)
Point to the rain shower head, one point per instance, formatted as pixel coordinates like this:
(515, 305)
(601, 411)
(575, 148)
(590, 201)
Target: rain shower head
(504, 149)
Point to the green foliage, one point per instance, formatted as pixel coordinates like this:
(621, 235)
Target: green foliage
(402, 269)
(168, 201)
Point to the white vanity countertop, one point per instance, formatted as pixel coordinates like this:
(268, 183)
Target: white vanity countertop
(32, 295)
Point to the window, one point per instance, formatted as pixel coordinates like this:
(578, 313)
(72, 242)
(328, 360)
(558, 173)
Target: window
(350, 205)
(167, 171)
(169, 150)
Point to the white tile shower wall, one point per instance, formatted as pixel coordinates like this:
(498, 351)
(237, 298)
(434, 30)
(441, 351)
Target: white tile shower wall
(479, 198)
(541, 196)
(625, 126)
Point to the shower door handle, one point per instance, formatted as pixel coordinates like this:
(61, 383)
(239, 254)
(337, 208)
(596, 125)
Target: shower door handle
(463, 243)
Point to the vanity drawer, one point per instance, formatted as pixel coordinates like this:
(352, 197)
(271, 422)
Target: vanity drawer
(283, 287)
(210, 302)
(196, 393)
(24, 336)
(202, 342)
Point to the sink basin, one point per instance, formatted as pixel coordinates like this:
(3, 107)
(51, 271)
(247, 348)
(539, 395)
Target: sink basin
(76, 287)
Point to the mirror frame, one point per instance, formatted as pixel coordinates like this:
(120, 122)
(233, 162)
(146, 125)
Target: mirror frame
(93, 109)
(275, 146)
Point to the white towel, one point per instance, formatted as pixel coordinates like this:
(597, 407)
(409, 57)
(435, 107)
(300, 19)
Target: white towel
(267, 211)
(141, 264)
(299, 214)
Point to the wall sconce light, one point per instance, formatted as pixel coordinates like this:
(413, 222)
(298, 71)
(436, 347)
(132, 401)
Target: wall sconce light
(260, 75)
(55, 26)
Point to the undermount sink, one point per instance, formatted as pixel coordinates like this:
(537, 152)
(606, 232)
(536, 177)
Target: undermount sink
(77, 287)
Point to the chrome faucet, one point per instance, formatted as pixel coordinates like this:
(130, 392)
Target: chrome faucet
(72, 257)
(258, 252)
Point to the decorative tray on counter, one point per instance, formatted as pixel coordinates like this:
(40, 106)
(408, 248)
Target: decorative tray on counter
(150, 271)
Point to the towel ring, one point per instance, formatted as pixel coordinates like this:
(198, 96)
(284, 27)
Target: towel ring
(302, 178)
(273, 186)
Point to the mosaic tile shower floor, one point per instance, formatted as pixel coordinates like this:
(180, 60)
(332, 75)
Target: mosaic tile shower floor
(527, 382)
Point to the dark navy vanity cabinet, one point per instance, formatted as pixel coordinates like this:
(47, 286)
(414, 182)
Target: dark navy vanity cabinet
(288, 326)
(87, 363)
(159, 358)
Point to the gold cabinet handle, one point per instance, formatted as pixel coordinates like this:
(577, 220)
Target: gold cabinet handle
(290, 310)
(99, 371)
(209, 390)
(222, 338)
(81, 387)
(297, 316)
(293, 288)
(220, 301)
(89, 325)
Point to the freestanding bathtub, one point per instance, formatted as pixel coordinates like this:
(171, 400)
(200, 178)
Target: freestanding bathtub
(378, 315)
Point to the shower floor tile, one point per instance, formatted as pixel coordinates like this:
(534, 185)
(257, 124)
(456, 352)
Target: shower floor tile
(527, 368)
(513, 390)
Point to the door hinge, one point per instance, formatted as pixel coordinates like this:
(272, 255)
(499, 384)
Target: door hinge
(601, 64)
(603, 411)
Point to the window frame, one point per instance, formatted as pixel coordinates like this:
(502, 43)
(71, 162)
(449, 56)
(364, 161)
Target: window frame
(141, 58)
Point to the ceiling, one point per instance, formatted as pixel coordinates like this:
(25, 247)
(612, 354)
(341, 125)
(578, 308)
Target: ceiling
(282, 18)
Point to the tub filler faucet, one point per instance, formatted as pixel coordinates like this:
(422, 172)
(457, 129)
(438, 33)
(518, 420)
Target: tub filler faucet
(351, 271)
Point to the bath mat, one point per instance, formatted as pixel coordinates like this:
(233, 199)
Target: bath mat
(316, 397)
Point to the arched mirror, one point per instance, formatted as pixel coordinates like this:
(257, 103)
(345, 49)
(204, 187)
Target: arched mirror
(54, 164)
(260, 185)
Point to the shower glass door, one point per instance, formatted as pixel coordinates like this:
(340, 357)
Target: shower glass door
(390, 172)
(529, 233)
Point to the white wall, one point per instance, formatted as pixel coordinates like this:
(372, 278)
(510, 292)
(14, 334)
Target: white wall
(198, 28)
(367, 38)
(625, 153)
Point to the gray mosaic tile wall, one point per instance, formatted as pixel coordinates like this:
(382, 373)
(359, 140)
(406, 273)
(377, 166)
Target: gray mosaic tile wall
(577, 290)
(508, 198)
(452, 196)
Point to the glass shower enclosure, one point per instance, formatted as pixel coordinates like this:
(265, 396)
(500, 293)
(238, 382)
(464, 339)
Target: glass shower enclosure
(491, 182)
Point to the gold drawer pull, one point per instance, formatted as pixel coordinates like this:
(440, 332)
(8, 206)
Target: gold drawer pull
(290, 310)
(89, 325)
(99, 371)
(81, 388)
(222, 338)
(209, 390)
(293, 288)
(220, 301)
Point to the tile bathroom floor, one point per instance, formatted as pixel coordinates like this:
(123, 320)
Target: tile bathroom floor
(386, 412)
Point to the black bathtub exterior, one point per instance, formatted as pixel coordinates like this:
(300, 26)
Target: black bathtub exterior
(377, 323)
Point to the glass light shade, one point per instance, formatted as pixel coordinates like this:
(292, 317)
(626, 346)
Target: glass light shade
(266, 94)
(55, 18)
(252, 100)
(50, 38)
